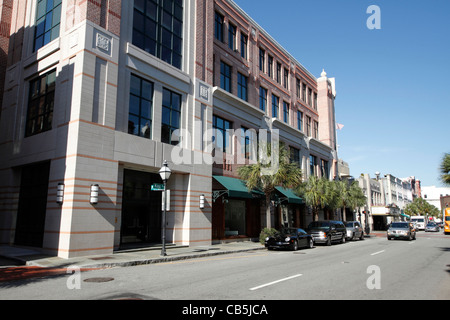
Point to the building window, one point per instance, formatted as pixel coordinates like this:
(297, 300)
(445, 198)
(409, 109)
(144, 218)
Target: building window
(316, 130)
(270, 67)
(171, 115)
(140, 108)
(218, 30)
(158, 29)
(298, 89)
(286, 78)
(315, 100)
(222, 139)
(312, 165)
(242, 87)
(299, 120)
(278, 72)
(40, 104)
(324, 169)
(275, 106)
(248, 145)
(225, 76)
(244, 42)
(232, 37)
(304, 92)
(262, 59)
(285, 112)
(294, 156)
(309, 96)
(262, 99)
(308, 126)
(48, 17)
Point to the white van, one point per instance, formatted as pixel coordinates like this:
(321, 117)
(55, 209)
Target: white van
(420, 221)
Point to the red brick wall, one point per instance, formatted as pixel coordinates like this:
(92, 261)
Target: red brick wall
(105, 13)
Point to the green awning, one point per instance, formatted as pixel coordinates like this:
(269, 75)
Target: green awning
(236, 188)
(290, 195)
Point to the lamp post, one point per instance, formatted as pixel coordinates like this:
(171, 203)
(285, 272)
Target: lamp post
(164, 172)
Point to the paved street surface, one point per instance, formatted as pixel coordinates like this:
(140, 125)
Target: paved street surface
(374, 268)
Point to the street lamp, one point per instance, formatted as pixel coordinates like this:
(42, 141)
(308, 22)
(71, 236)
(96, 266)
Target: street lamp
(164, 172)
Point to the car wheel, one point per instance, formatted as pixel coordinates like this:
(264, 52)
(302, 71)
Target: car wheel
(343, 239)
(295, 246)
(329, 241)
(310, 243)
(389, 238)
(362, 236)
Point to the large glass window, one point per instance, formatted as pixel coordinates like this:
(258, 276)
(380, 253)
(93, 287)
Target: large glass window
(299, 120)
(158, 29)
(48, 17)
(242, 87)
(218, 27)
(262, 98)
(225, 76)
(232, 37)
(275, 106)
(222, 134)
(40, 104)
(294, 156)
(248, 143)
(244, 42)
(171, 115)
(285, 112)
(140, 108)
(262, 59)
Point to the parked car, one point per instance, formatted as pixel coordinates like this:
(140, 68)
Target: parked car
(291, 238)
(354, 230)
(432, 227)
(401, 230)
(327, 231)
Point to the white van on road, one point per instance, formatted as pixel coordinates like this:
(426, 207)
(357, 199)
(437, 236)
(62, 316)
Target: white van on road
(420, 221)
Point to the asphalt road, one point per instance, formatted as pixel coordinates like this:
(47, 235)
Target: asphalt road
(374, 268)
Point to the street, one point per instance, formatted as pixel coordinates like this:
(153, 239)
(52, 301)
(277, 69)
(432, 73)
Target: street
(374, 268)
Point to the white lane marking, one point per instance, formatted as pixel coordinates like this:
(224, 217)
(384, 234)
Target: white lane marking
(374, 254)
(274, 282)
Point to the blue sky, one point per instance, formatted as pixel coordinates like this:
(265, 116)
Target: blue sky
(393, 84)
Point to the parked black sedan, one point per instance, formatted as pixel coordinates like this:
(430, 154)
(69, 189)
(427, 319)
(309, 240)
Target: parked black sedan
(291, 238)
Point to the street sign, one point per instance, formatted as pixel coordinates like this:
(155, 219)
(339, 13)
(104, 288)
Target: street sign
(157, 187)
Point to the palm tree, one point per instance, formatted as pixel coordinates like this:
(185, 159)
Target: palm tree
(317, 193)
(288, 175)
(358, 199)
(349, 196)
(445, 169)
(344, 196)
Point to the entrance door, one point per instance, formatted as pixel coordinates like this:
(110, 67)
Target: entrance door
(141, 208)
(32, 205)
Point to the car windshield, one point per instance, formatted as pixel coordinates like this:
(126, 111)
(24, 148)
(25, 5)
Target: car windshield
(400, 225)
(431, 224)
(288, 231)
(349, 224)
(319, 225)
(418, 220)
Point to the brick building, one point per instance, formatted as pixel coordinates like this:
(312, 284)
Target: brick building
(96, 93)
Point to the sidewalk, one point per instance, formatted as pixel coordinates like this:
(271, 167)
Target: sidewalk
(33, 258)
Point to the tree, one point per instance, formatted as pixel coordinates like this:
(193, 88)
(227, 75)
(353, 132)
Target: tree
(288, 175)
(445, 169)
(317, 193)
(358, 199)
(419, 207)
